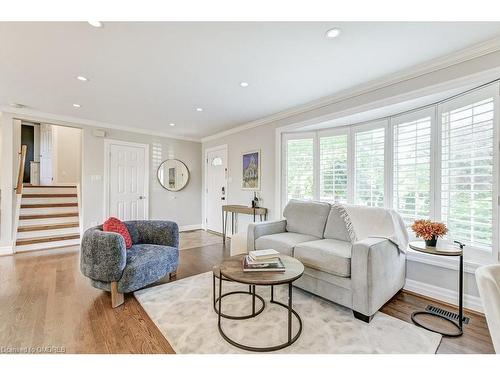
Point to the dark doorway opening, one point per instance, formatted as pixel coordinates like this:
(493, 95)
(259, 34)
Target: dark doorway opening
(28, 139)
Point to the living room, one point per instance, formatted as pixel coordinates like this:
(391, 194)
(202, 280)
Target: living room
(217, 186)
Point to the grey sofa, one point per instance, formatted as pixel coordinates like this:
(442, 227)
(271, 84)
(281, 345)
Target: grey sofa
(110, 266)
(361, 275)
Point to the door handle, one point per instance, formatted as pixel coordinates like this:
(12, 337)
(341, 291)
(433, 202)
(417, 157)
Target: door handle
(223, 198)
(142, 197)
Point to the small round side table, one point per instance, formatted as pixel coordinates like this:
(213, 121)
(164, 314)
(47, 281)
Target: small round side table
(450, 251)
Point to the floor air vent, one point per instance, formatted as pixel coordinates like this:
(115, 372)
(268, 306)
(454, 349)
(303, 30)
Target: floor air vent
(445, 313)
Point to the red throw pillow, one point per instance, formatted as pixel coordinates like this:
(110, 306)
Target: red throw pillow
(117, 226)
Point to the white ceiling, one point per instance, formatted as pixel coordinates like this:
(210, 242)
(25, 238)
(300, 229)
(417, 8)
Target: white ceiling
(147, 75)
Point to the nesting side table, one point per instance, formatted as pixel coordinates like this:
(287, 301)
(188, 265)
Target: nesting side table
(456, 320)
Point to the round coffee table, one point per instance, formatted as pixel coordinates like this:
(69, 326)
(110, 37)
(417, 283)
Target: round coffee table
(231, 269)
(449, 251)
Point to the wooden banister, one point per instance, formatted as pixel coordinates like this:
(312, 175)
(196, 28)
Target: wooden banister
(20, 175)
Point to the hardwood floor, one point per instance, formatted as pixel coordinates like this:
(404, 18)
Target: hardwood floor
(45, 302)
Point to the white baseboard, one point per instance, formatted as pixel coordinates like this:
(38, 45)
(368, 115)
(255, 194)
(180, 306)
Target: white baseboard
(6, 250)
(442, 294)
(185, 228)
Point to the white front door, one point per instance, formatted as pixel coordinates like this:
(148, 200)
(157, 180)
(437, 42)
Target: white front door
(46, 173)
(216, 188)
(127, 187)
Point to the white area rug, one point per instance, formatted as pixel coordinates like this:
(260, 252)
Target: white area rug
(183, 312)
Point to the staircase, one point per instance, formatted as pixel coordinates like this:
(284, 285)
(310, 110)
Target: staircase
(48, 218)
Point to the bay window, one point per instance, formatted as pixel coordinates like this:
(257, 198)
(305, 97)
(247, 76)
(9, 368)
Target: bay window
(439, 162)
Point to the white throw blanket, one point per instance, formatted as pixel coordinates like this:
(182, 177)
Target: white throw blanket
(377, 222)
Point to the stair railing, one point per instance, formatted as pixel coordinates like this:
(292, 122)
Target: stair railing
(20, 175)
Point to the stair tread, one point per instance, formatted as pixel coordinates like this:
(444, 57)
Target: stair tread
(48, 205)
(48, 216)
(50, 186)
(31, 228)
(49, 195)
(33, 240)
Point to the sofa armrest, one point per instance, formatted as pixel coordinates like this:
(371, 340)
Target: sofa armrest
(156, 232)
(256, 230)
(103, 255)
(378, 271)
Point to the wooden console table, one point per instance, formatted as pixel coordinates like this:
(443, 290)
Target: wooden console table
(236, 209)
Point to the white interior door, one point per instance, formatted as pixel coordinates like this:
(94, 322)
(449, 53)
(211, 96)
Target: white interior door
(127, 183)
(46, 149)
(216, 188)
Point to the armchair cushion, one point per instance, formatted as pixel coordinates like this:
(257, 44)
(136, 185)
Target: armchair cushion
(155, 232)
(328, 255)
(146, 264)
(306, 217)
(115, 225)
(282, 242)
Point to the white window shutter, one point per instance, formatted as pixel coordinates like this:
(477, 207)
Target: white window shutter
(369, 167)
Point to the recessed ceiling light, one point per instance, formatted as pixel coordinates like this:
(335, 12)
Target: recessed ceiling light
(333, 33)
(172, 124)
(17, 105)
(244, 84)
(82, 78)
(76, 105)
(199, 109)
(95, 23)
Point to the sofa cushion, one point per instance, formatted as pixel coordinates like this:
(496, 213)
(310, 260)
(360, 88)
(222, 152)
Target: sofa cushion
(147, 264)
(336, 228)
(327, 255)
(282, 242)
(306, 217)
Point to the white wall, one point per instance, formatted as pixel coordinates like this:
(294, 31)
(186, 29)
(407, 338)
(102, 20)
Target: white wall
(67, 154)
(184, 206)
(264, 137)
(8, 164)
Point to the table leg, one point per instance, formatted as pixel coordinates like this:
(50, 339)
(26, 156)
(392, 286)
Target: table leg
(461, 293)
(272, 293)
(232, 222)
(213, 275)
(220, 298)
(289, 312)
(253, 299)
(224, 226)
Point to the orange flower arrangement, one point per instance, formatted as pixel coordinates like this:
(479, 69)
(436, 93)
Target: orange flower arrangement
(427, 229)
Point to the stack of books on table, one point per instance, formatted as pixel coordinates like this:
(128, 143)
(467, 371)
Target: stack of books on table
(263, 261)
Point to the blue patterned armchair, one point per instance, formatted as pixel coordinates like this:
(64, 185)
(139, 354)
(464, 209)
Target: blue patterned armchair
(111, 267)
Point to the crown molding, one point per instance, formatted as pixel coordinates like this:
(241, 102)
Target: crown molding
(443, 62)
(38, 116)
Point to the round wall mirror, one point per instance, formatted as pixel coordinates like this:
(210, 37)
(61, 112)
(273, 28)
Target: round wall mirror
(173, 174)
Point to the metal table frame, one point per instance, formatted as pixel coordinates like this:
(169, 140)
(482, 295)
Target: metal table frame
(254, 313)
(460, 322)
